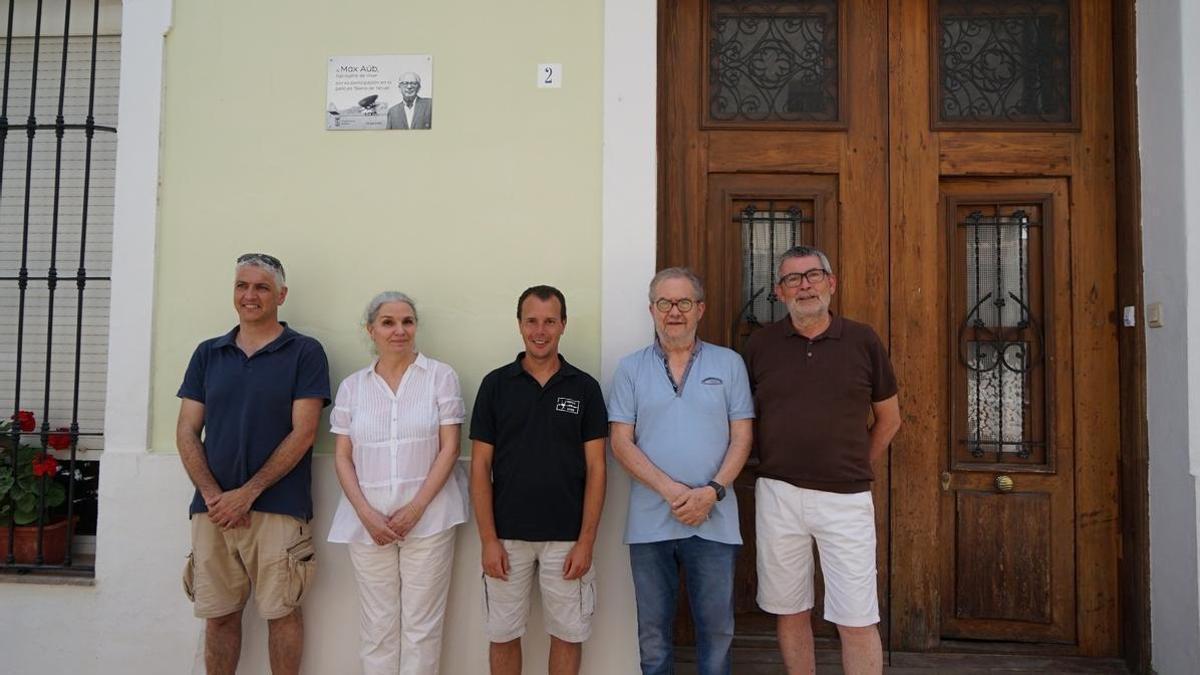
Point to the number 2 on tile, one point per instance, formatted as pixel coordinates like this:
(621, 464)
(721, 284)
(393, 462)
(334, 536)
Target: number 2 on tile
(549, 75)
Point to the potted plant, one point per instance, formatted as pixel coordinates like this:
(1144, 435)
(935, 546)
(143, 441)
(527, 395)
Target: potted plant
(31, 492)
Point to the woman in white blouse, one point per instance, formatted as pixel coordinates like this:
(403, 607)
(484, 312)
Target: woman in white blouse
(397, 429)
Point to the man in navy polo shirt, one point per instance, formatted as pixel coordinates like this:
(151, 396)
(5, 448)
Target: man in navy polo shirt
(256, 393)
(537, 483)
(682, 419)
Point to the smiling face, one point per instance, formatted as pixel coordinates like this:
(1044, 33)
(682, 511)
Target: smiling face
(674, 326)
(394, 330)
(542, 326)
(257, 295)
(806, 301)
(410, 84)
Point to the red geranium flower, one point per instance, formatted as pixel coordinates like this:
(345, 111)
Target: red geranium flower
(24, 420)
(45, 465)
(61, 439)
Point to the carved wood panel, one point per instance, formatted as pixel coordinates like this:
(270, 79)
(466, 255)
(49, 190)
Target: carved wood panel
(1002, 567)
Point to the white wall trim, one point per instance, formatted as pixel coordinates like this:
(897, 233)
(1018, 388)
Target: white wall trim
(144, 25)
(1189, 14)
(629, 203)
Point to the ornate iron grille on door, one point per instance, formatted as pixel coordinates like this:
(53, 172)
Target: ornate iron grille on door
(46, 236)
(772, 61)
(768, 229)
(1000, 381)
(1003, 62)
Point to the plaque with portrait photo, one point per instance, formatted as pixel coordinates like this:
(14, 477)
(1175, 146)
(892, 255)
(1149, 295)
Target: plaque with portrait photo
(380, 92)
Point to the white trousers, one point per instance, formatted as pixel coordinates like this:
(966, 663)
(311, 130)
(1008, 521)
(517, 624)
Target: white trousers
(402, 592)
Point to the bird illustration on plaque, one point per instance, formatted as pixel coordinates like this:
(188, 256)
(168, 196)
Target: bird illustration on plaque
(392, 91)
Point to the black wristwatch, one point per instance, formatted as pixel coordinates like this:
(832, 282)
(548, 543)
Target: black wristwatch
(719, 488)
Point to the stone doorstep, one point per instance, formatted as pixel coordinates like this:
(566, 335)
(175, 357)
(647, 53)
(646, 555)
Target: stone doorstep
(764, 662)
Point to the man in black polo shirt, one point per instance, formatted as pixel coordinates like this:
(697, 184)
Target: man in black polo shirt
(256, 394)
(815, 378)
(537, 483)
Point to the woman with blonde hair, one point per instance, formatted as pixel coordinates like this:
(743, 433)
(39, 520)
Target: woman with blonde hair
(397, 424)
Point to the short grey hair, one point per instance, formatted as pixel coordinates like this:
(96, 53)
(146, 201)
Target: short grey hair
(677, 273)
(265, 262)
(384, 298)
(806, 252)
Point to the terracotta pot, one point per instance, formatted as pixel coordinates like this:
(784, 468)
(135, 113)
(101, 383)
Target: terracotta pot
(54, 542)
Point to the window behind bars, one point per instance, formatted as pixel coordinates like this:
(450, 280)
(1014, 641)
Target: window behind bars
(58, 115)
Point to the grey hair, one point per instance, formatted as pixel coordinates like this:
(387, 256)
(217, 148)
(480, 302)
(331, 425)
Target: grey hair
(806, 252)
(384, 298)
(678, 273)
(255, 260)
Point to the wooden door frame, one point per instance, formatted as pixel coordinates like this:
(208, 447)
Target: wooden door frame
(1090, 158)
(1134, 582)
(1134, 579)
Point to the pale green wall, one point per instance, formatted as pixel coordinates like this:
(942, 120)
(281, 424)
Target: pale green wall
(503, 193)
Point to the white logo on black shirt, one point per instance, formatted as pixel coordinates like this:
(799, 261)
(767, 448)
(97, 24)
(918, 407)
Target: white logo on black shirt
(568, 405)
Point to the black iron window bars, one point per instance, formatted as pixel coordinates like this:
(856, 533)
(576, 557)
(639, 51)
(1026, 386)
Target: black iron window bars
(999, 338)
(30, 454)
(766, 234)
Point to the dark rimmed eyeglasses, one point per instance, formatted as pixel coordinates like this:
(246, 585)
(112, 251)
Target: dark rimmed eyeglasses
(664, 305)
(814, 276)
(269, 260)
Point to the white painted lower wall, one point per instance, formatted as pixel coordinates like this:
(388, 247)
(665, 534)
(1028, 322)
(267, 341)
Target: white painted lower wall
(136, 619)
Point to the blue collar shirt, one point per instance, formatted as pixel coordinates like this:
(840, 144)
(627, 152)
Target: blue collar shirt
(684, 431)
(248, 412)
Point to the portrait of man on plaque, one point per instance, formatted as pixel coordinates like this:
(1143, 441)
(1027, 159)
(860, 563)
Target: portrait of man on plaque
(380, 92)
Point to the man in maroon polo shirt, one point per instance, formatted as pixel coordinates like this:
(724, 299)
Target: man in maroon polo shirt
(815, 377)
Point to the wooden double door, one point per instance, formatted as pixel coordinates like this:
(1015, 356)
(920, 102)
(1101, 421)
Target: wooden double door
(955, 160)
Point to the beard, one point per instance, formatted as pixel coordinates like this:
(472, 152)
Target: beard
(808, 312)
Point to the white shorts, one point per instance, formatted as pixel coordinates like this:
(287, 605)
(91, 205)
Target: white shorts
(567, 605)
(788, 519)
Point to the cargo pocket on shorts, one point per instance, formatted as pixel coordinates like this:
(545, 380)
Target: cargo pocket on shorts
(301, 566)
(587, 595)
(189, 577)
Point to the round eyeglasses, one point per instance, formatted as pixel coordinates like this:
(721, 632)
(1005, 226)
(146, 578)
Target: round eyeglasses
(664, 305)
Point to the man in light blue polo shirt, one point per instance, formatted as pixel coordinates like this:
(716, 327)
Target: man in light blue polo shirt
(681, 414)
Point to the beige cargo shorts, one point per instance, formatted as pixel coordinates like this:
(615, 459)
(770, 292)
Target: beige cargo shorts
(274, 557)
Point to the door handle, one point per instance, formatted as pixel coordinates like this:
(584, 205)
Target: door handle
(1004, 484)
(945, 481)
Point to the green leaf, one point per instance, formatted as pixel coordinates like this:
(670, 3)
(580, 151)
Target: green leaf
(27, 502)
(23, 517)
(55, 494)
